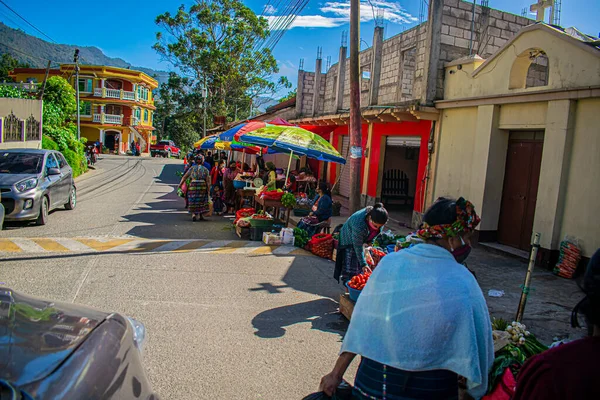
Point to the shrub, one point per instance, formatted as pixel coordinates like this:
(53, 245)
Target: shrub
(48, 143)
(13, 92)
(76, 161)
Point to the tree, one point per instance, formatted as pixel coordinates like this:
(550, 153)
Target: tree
(218, 41)
(7, 64)
(288, 96)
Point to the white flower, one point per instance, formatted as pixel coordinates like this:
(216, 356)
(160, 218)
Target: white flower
(514, 323)
(527, 333)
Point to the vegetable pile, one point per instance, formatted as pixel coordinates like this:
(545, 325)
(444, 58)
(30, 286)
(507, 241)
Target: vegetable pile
(262, 215)
(288, 200)
(358, 282)
(373, 255)
(522, 346)
(301, 237)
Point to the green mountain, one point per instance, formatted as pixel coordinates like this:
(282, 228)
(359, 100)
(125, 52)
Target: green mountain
(36, 52)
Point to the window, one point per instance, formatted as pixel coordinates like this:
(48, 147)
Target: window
(145, 115)
(142, 93)
(86, 108)
(86, 85)
(151, 118)
(51, 161)
(138, 113)
(61, 160)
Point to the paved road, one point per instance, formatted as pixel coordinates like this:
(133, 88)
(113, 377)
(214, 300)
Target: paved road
(226, 319)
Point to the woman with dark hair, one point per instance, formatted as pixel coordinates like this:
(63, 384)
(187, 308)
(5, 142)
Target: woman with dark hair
(197, 192)
(229, 175)
(321, 210)
(569, 371)
(421, 320)
(271, 181)
(361, 228)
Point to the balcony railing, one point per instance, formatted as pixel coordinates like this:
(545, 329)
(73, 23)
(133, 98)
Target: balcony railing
(114, 94)
(108, 119)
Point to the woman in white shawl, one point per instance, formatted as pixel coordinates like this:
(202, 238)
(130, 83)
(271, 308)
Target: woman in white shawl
(421, 321)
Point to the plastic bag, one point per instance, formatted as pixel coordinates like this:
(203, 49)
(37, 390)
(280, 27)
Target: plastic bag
(568, 260)
(321, 245)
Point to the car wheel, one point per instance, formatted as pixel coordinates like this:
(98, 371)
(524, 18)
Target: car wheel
(72, 199)
(42, 219)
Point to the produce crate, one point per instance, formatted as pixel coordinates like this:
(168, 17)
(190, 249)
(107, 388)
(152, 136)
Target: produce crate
(261, 223)
(271, 239)
(346, 306)
(256, 233)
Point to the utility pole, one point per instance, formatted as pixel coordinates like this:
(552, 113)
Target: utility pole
(205, 96)
(355, 117)
(41, 95)
(76, 61)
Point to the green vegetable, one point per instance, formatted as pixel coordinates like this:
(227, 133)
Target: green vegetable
(498, 324)
(301, 237)
(288, 200)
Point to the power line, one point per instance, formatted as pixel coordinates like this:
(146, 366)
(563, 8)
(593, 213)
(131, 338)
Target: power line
(29, 23)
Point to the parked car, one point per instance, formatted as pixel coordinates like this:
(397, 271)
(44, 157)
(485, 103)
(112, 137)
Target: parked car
(52, 350)
(35, 182)
(165, 148)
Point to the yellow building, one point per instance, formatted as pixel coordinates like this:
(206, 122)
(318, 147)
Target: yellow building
(526, 152)
(118, 104)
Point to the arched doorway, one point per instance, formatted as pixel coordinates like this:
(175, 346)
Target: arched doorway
(111, 140)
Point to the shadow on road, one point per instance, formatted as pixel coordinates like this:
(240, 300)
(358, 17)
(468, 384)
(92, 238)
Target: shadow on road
(310, 275)
(322, 313)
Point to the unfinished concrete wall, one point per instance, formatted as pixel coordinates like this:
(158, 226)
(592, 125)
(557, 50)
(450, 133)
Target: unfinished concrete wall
(537, 75)
(410, 70)
(308, 92)
(392, 69)
(481, 31)
(330, 78)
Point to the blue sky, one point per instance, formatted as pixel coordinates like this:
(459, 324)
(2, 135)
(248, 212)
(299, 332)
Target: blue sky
(127, 30)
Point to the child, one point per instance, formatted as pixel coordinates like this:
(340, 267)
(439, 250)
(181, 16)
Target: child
(218, 200)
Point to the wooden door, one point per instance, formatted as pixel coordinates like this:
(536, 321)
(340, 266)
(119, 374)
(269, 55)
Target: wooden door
(519, 194)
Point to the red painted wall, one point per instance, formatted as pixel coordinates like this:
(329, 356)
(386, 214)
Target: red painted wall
(406, 128)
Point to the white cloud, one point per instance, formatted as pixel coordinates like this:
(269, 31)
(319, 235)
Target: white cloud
(392, 11)
(310, 21)
(337, 13)
(270, 10)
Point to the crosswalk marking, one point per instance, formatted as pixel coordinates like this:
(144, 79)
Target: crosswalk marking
(103, 245)
(72, 244)
(195, 245)
(9, 246)
(50, 245)
(136, 245)
(230, 248)
(28, 246)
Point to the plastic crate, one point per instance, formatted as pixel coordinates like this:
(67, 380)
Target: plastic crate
(256, 233)
(261, 223)
(353, 293)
